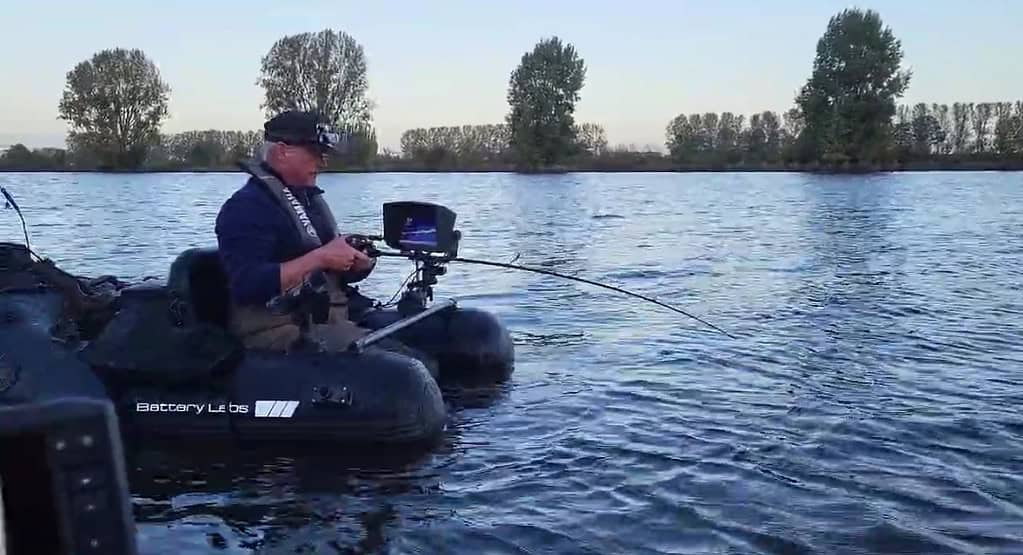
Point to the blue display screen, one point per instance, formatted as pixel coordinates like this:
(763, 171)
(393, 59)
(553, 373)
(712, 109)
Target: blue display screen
(419, 231)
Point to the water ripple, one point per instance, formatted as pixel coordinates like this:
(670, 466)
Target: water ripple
(870, 405)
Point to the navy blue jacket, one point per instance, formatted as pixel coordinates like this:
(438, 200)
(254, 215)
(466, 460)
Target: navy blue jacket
(255, 235)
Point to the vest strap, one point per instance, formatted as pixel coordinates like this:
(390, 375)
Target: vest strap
(287, 200)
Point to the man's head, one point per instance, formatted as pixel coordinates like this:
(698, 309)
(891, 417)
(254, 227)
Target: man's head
(296, 146)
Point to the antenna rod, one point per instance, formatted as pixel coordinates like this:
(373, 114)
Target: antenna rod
(12, 204)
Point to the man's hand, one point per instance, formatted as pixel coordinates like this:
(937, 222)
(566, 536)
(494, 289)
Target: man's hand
(339, 256)
(336, 255)
(360, 244)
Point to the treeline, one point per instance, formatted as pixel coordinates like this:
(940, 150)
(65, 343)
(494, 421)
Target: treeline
(489, 147)
(728, 139)
(204, 150)
(845, 117)
(462, 148)
(973, 135)
(209, 149)
(986, 132)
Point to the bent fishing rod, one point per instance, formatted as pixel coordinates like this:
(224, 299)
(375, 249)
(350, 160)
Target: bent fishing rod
(444, 259)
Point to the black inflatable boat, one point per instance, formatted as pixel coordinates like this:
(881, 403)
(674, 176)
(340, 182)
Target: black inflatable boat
(160, 351)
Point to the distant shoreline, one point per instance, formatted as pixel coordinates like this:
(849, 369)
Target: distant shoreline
(907, 168)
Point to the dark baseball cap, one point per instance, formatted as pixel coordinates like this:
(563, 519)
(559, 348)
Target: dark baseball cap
(295, 127)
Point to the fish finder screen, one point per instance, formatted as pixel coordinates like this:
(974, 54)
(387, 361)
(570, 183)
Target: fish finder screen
(420, 226)
(419, 231)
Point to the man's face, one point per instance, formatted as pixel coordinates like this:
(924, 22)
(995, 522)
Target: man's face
(299, 164)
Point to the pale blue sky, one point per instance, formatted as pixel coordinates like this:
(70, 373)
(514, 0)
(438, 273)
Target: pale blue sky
(448, 62)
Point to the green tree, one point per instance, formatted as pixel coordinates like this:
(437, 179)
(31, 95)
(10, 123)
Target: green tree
(683, 138)
(323, 72)
(359, 149)
(753, 140)
(773, 131)
(792, 129)
(708, 133)
(466, 146)
(542, 93)
(962, 115)
(979, 121)
(849, 100)
(115, 103)
(927, 132)
(1009, 129)
(1004, 128)
(18, 157)
(902, 134)
(727, 138)
(592, 139)
(943, 117)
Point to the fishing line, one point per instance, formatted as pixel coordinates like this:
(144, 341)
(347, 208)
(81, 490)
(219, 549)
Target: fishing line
(563, 276)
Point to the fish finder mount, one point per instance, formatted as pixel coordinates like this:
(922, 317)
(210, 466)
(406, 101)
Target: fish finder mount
(424, 233)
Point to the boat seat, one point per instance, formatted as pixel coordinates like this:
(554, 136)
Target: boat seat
(197, 277)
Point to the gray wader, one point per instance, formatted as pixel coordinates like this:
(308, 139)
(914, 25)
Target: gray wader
(259, 328)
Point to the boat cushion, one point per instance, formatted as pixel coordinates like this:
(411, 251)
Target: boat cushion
(171, 335)
(148, 342)
(197, 278)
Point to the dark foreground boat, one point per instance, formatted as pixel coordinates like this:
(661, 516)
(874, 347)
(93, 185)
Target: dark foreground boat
(161, 353)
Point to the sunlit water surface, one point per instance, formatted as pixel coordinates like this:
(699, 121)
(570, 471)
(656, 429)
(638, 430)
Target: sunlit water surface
(870, 404)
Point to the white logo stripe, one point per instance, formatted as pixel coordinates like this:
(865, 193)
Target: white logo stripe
(263, 408)
(276, 409)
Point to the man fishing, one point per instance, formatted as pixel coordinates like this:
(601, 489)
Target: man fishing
(276, 233)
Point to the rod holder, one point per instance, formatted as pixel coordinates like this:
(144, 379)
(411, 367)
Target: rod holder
(359, 345)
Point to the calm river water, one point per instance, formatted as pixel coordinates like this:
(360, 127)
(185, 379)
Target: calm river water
(872, 402)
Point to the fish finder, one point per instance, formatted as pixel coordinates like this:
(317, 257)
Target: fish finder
(422, 227)
(63, 488)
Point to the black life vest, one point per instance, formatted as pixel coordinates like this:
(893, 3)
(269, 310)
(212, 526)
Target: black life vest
(291, 205)
(301, 221)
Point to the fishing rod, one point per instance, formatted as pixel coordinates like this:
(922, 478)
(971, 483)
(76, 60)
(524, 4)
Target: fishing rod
(583, 280)
(435, 260)
(425, 233)
(9, 203)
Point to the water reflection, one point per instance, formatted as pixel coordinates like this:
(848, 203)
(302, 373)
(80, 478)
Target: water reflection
(258, 499)
(548, 229)
(870, 400)
(848, 241)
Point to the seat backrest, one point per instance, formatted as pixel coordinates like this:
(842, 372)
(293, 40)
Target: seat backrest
(197, 277)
